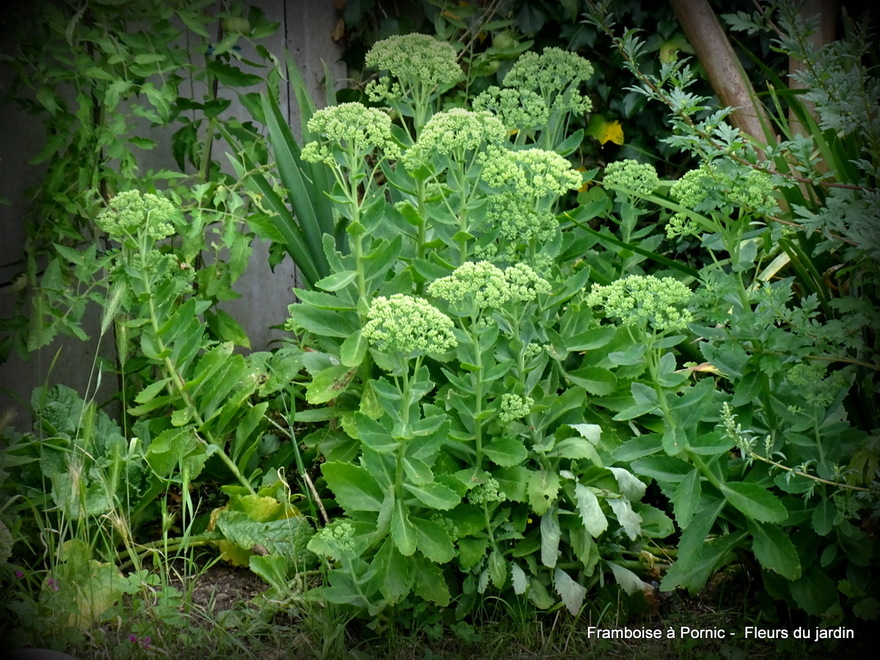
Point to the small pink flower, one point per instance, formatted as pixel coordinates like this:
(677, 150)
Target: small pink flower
(133, 638)
(19, 575)
(52, 584)
(145, 642)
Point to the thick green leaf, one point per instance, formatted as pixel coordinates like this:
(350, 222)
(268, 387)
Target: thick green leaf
(590, 510)
(543, 488)
(432, 540)
(755, 501)
(396, 571)
(628, 581)
(550, 537)
(814, 592)
(686, 497)
(402, 530)
(595, 380)
(774, 550)
(353, 349)
(355, 489)
(570, 592)
(506, 451)
(629, 520)
(434, 495)
(329, 384)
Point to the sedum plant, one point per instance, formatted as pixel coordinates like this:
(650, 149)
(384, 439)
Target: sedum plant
(459, 457)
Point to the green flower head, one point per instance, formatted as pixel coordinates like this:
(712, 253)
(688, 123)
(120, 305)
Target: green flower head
(455, 132)
(518, 109)
(536, 173)
(349, 126)
(639, 299)
(408, 326)
(556, 75)
(514, 406)
(516, 221)
(131, 212)
(480, 283)
(524, 284)
(412, 61)
(631, 176)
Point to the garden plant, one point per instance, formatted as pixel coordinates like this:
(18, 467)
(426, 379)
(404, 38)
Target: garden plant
(515, 377)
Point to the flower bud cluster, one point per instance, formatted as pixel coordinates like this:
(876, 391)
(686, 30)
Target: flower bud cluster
(349, 126)
(637, 299)
(514, 406)
(517, 222)
(486, 286)
(631, 176)
(556, 75)
(455, 132)
(338, 537)
(535, 173)
(131, 212)
(487, 492)
(411, 61)
(518, 109)
(408, 326)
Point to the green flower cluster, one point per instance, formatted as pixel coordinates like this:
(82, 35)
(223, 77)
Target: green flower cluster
(334, 540)
(454, 133)
(408, 326)
(350, 127)
(131, 212)
(637, 299)
(811, 379)
(413, 61)
(707, 188)
(631, 176)
(524, 284)
(6, 542)
(518, 109)
(535, 173)
(514, 406)
(556, 75)
(487, 492)
(517, 222)
(480, 283)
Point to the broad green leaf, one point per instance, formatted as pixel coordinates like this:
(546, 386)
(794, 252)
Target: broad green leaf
(591, 432)
(823, 517)
(630, 487)
(402, 530)
(273, 569)
(177, 448)
(595, 380)
(417, 470)
(429, 582)
(150, 391)
(337, 281)
(755, 501)
(434, 495)
(518, 579)
(227, 328)
(590, 510)
(354, 488)
(353, 349)
(550, 537)
(570, 592)
(774, 550)
(686, 497)
(506, 451)
(674, 441)
(665, 469)
(329, 384)
(628, 519)
(433, 540)
(576, 448)
(396, 571)
(692, 575)
(497, 568)
(543, 488)
(628, 581)
(471, 552)
(232, 76)
(814, 592)
(655, 523)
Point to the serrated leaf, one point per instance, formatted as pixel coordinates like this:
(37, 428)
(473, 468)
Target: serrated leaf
(542, 490)
(353, 487)
(433, 541)
(434, 495)
(814, 592)
(570, 592)
(402, 530)
(353, 349)
(823, 517)
(686, 497)
(329, 384)
(337, 281)
(506, 451)
(590, 510)
(628, 581)
(550, 537)
(628, 519)
(755, 501)
(518, 580)
(630, 486)
(774, 550)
